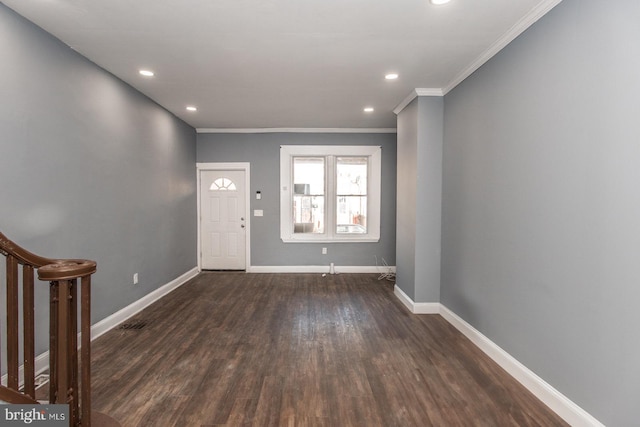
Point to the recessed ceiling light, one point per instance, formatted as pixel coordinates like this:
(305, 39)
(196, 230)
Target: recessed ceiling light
(368, 109)
(191, 108)
(439, 1)
(391, 76)
(146, 73)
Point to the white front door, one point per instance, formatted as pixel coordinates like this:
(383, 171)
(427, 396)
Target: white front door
(222, 220)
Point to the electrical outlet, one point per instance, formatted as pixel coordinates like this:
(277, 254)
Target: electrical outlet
(324, 251)
(135, 278)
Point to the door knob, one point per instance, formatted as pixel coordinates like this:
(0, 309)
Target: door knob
(242, 219)
(241, 225)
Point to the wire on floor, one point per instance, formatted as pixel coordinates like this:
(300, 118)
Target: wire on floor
(388, 273)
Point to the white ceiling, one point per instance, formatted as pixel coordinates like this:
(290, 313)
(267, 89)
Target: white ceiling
(285, 63)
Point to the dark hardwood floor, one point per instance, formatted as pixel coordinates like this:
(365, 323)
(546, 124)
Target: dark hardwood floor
(234, 349)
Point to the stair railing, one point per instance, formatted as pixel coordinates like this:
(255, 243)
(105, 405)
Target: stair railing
(69, 381)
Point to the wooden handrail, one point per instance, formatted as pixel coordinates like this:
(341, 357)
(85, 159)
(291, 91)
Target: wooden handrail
(12, 396)
(7, 247)
(64, 370)
(66, 270)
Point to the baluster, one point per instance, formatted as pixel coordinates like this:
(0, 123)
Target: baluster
(72, 349)
(12, 323)
(63, 342)
(29, 330)
(53, 342)
(85, 349)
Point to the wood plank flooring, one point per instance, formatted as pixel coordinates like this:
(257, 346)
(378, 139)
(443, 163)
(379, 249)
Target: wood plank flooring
(236, 349)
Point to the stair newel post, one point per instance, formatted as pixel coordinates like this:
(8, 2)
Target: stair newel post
(63, 278)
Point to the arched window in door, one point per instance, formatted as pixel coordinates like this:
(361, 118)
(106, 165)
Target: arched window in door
(222, 184)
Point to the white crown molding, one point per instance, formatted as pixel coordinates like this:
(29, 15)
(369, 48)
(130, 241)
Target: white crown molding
(434, 91)
(297, 130)
(518, 28)
(416, 93)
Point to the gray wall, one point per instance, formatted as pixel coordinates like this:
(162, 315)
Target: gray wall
(541, 207)
(419, 193)
(406, 199)
(91, 168)
(262, 151)
(429, 199)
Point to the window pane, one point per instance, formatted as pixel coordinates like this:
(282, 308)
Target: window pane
(352, 175)
(308, 175)
(352, 215)
(222, 184)
(308, 194)
(308, 214)
(351, 195)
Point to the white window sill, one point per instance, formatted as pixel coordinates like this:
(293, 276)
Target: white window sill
(321, 240)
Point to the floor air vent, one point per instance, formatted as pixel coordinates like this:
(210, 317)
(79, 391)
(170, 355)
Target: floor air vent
(132, 326)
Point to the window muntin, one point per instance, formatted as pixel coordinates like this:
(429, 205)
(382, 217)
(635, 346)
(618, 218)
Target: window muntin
(330, 193)
(223, 184)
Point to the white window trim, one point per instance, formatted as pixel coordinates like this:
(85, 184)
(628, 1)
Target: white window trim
(287, 152)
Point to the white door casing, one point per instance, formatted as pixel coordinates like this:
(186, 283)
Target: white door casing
(223, 220)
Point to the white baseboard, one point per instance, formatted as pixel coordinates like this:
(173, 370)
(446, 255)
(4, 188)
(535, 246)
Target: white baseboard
(120, 316)
(416, 307)
(108, 323)
(41, 365)
(556, 401)
(320, 269)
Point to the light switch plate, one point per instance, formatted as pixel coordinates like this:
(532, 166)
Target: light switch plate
(258, 212)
